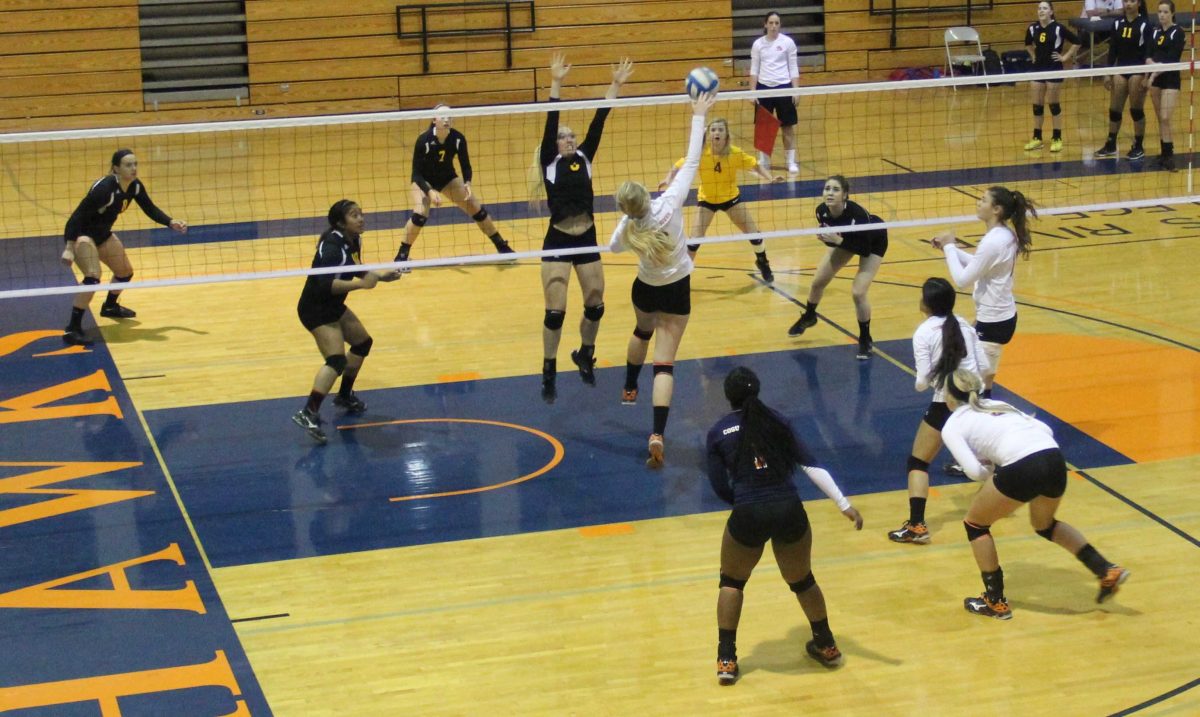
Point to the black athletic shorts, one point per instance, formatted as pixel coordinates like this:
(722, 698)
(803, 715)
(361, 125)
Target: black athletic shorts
(996, 332)
(1052, 67)
(1041, 473)
(783, 521)
(781, 107)
(722, 207)
(1167, 80)
(865, 244)
(556, 239)
(314, 315)
(674, 298)
(936, 415)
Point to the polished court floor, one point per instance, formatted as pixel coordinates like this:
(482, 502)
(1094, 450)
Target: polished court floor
(174, 545)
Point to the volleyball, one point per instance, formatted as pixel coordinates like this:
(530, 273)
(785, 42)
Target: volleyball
(701, 81)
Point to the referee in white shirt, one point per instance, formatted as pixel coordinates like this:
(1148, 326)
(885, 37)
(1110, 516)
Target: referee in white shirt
(772, 65)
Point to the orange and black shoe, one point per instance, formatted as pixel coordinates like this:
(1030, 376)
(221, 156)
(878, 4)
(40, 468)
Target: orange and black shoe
(829, 656)
(1111, 582)
(727, 671)
(983, 605)
(629, 396)
(655, 447)
(911, 533)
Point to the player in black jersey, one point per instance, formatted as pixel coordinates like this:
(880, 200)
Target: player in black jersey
(1046, 41)
(1166, 45)
(90, 240)
(323, 311)
(838, 211)
(566, 176)
(752, 454)
(1126, 47)
(433, 177)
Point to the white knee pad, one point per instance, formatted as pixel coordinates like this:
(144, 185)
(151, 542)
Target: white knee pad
(992, 351)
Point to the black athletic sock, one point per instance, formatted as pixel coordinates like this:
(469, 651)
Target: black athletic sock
(1037, 134)
(112, 298)
(916, 510)
(587, 351)
(1168, 149)
(986, 394)
(822, 634)
(660, 419)
(632, 371)
(993, 584)
(864, 331)
(496, 239)
(549, 367)
(76, 322)
(1112, 140)
(810, 309)
(314, 402)
(347, 386)
(402, 255)
(726, 644)
(1093, 560)
(1137, 140)
(1056, 134)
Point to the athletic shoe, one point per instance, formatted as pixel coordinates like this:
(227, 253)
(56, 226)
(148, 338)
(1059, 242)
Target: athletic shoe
(1108, 150)
(793, 168)
(1056, 145)
(1033, 144)
(727, 671)
(549, 388)
(954, 470)
(764, 267)
(1111, 582)
(865, 349)
(311, 423)
(828, 656)
(116, 311)
(629, 396)
(75, 337)
(1135, 153)
(655, 446)
(806, 321)
(352, 403)
(503, 247)
(587, 367)
(983, 605)
(911, 533)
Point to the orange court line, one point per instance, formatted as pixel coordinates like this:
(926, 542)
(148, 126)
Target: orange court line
(600, 531)
(456, 377)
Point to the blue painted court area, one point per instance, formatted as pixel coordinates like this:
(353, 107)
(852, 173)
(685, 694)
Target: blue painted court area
(257, 489)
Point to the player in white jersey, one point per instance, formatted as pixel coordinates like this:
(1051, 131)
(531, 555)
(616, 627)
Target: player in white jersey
(942, 344)
(773, 64)
(662, 299)
(1028, 468)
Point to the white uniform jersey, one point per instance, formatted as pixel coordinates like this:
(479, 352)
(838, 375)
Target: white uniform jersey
(927, 350)
(774, 62)
(1001, 438)
(990, 269)
(666, 215)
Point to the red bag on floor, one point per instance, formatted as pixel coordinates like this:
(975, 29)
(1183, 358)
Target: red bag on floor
(766, 127)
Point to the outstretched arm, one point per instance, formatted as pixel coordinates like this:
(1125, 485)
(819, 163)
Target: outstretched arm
(678, 189)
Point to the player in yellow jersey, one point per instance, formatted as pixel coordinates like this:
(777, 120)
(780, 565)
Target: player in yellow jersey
(720, 163)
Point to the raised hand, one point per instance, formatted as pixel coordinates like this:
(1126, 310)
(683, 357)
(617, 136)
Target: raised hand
(559, 67)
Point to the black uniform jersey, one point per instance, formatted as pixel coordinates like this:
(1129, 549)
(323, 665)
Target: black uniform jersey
(861, 243)
(433, 161)
(568, 179)
(334, 248)
(1046, 41)
(95, 215)
(1167, 45)
(744, 483)
(1128, 42)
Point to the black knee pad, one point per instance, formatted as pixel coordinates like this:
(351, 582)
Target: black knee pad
(666, 368)
(693, 248)
(1114, 116)
(1137, 114)
(337, 362)
(554, 319)
(916, 464)
(1039, 110)
(1048, 533)
(728, 582)
(593, 313)
(480, 215)
(418, 219)
(976, 531)
(803, 584)
(362, 349)
(643, 335)
(756, 242)
(91, 280)
(1055, 109)
(123, 279)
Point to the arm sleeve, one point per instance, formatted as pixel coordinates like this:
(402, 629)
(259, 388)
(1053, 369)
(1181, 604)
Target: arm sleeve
(143, 200)
(418, 177)
(718, 476)
(550, 137)
(755, 59)
(1069, 36)
(982, 260)
(678, 190)
(1177, 44)
(1113, 40)
(983, 364)
(963, 455)
(464, 160)
(1029, 36)
(793, 63)
(88, 205)
(923, 360)
(823, 480)
(591, 143)
(617, 243)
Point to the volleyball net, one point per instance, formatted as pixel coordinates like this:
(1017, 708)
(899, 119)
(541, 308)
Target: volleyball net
(256, 193)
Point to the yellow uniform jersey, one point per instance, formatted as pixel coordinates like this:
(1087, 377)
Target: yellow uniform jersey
(718, 175)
